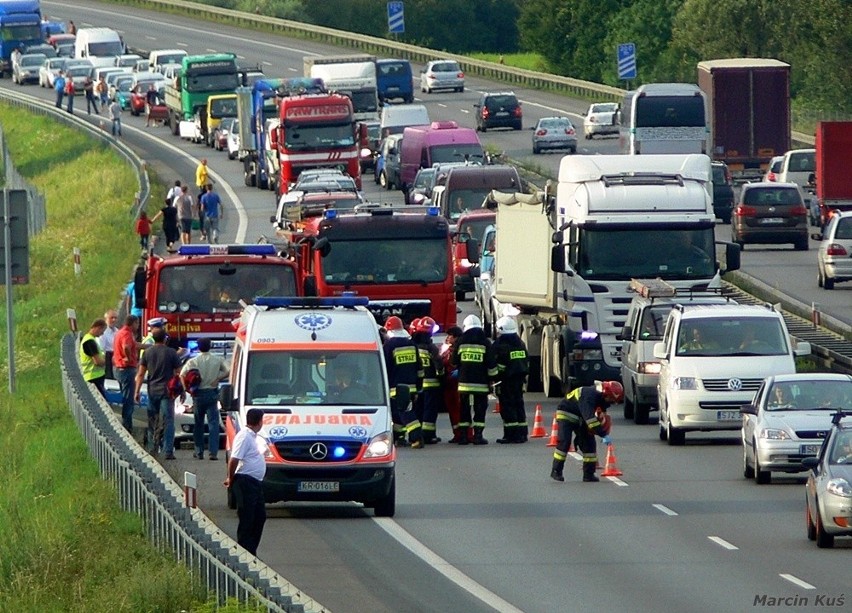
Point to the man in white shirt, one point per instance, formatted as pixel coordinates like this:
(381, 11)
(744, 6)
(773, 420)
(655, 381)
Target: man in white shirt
(173, 193)
(106, 340)
(246, 470)
(212, 369)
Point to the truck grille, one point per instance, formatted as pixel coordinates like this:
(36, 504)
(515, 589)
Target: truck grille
(723, 385)
(323, 452)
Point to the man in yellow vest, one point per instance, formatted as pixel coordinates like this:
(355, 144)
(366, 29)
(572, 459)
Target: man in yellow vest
(92, 358)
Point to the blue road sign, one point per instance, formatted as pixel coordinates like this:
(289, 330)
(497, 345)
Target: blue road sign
(627, 61)
(396, 18)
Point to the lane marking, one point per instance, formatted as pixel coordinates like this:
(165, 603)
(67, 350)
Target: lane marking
(796, 581)
(401, 536)
(212, 51)
(664, 509)
(617, 481)
(723, 543)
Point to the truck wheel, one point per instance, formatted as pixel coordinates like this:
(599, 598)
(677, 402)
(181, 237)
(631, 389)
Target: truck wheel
(640, 415)
(386, 507)
(534, 383)
(173, 123)
(460, 296)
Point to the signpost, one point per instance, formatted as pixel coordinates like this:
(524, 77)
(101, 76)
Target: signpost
(15, 241)
(396, 17)
(627, 61)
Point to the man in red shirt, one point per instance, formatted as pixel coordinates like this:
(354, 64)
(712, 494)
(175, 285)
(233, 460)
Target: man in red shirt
(125, 361)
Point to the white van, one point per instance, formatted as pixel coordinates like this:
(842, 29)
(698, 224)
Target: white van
(160, 57)
(98, 45)
(713, 359)
(315, 367)
(395, 117)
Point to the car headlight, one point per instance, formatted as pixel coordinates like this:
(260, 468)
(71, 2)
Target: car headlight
(649, 368)
(685, 383)
(839, 487)
(379, 446)
(773, 434)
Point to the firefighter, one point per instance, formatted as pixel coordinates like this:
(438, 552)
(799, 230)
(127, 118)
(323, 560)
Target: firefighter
(451, 382)
(430, 397)
(580, 412)
(512, 369)
(473, 356)
(403, 365)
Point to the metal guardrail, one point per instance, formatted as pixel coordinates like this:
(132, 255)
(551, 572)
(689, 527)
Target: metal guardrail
(146, 489)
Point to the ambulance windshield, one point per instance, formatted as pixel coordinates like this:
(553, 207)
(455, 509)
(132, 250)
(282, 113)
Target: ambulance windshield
(287, 378)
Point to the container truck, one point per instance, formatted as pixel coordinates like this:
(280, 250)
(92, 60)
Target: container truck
(833, 160)
(563, 264)
(201, 76)
(351, 75)
(749, 104)
(20, 26)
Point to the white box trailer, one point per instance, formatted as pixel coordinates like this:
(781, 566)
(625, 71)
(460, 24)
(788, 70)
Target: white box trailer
(351, 75)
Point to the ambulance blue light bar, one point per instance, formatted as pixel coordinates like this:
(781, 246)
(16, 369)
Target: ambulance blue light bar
(330, 214)
(226, 250)
(433, 211)
(296, 301)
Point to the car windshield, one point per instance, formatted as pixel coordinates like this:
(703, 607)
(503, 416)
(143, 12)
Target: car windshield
(424, 177)
(446, 67)
(654, 322)
(473, 227)
(501, 101)
(32, 60)
(804, 161)
(775, 196)
(804, 395)
(609, 107)
(746, 336)
(105, 49)
(124, 85)
(457, 153)
(844, 229)
(460, 201)
(315, 377)
(670, 111)
(318, 136)
(79, 71)
(841, 451)
(557, 123)
(354, 262)
(718, 174)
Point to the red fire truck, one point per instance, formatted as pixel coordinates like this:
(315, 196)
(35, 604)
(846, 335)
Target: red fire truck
(315, 131)
(401, 260)
(199, 289)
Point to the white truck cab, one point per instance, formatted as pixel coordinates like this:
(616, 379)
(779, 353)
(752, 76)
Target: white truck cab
(713, 359)
(315, 367)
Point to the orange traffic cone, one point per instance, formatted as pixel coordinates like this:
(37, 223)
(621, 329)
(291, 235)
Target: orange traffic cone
(538, 424)
(611, 469)
(496, 407)
(554, 433)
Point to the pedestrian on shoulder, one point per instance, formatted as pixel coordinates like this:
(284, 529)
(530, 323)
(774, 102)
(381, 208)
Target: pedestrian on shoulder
(185, 205)
(106, 340)
(170, 225)
(72, 29)
(201, 177)
(160, 363)
(91, 101)
(152, 99)
(70, 92)
(211, 205)
(143, 229)
(125, 362)
(174, 191)
(212, 369)
(102, 91)
(246, 470)
(92, 356)
(115, 115)
(59, 86)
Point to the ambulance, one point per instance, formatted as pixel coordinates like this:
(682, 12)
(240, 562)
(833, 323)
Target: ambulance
(315, 367)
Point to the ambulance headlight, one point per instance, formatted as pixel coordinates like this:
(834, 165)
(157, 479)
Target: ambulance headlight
(379, 446)
(184, 307)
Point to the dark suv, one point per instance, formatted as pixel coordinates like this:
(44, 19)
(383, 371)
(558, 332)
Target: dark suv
(723, 192)
(498, 110)
(770, 213)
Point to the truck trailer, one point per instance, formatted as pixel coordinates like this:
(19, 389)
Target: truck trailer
(20, 26)
(353, 76)
(833, 157)
(749, 112)
(201, 76)
(563, 264)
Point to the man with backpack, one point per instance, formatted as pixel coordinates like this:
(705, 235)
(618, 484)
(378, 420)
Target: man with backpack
(201, 376)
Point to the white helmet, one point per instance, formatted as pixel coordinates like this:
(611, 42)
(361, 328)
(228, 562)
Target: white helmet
(506, 325)
(471, 321)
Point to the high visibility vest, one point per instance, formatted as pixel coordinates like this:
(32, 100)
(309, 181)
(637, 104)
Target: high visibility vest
(90, 369)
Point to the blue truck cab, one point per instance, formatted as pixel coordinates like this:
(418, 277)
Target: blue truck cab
(394, 80)
(20, 26)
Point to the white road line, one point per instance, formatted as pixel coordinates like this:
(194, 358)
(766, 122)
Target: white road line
(212, 51)
(150, 37)
(267, 63)
(617, 481)
(181, 45)
(401, 536)
(241, 57)
(722, 542)
(796, 581)
(664, 509)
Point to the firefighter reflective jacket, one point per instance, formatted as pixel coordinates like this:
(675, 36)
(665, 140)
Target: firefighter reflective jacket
(473, 355)
(511, 355)
(402, 362)
(580, 404)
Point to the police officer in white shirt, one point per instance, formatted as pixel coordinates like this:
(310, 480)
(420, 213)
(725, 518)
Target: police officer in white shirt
(246, 470)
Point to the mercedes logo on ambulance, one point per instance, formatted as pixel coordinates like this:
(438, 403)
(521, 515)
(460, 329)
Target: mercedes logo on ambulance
(318, 451)
(735, 384)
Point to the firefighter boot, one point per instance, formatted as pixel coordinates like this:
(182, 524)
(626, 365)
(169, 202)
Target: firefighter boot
(464, 439)
(507, 436)
(589, 475)
(456, 436)
(477, 437)
(556, 471)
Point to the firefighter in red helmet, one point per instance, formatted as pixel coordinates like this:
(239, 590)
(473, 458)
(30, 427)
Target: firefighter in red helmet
(430, 398)
(580, 413)
(403, 367)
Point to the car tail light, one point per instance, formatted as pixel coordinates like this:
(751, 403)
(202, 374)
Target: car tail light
(771, 177)
(836, 249)
(431, 77)
(799, 210)
(728, 178)
(485, 112)
(745, 211)
(518, 112)
(460, 75)
(592, 119)
(541, 132)
(569, 130)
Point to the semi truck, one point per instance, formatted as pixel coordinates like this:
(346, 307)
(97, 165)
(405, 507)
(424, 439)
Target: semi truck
(201, 76)
(351, 75)
(749, 112)
(563, 263)
(833, 159)
(20, 26)
(198, 290)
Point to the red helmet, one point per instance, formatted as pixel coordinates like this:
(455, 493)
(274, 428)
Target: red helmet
(425, 325)
(393, 323)
(613, 391)
(412, 327)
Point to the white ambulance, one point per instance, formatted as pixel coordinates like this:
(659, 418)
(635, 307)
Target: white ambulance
(315, 367)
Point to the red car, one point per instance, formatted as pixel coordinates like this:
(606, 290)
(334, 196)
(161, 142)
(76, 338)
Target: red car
(471, 224)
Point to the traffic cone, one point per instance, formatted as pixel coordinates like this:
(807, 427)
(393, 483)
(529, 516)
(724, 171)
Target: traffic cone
(611, 469)
(554, 433)
(496, 407)
(538, 424)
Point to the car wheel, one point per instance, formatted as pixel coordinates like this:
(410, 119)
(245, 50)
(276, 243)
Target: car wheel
(748, 470)
(664, 434)
(536, 150)
(820, 282)
(761, 477)
(824, 540)
(231, 155)
(802, 244)
(573, 150)
(386, 506)
(811, 528)
(482, 128)
(676, 436)
(828, 283)
(628, 407)
(519, 126)
(641, 413)
(460, 296)
(460, 89)
(486, 323)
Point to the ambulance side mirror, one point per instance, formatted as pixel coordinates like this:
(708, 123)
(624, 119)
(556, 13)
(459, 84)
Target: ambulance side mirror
(226, 397)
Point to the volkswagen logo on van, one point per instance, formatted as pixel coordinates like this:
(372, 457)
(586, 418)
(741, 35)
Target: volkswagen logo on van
(318, 451)
(735, 384)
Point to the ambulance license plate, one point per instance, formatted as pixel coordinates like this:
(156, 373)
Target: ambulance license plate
(728, 415)
(810, 449)
(319, 486)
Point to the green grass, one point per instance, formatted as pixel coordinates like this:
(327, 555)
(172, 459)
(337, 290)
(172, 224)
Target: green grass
(527, 61)
(65, 544)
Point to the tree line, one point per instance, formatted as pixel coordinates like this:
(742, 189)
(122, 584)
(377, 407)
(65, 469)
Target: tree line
(579, 38)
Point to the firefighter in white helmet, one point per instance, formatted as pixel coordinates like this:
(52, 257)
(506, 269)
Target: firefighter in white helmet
(473, 356)
(512, 370)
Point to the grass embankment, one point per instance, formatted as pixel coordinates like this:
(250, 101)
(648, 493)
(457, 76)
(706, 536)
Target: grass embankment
(65, 543)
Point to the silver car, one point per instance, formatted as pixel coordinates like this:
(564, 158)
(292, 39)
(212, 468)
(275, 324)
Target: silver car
(788, 420)
(554, 133)
(828, 492)
(49, 70)
(26, 69)
(601, 118)
(442, 74)
(834, 260)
